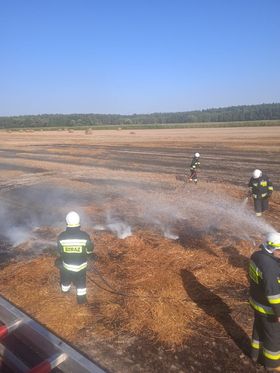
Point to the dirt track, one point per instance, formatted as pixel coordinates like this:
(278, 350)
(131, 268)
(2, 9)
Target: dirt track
(135, 178)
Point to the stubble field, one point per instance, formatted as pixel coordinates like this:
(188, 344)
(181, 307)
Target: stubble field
(168, 289)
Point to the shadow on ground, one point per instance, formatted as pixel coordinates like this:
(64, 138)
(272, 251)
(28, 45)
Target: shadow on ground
(214, 306)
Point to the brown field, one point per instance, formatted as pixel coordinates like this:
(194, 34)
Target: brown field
(172, 296)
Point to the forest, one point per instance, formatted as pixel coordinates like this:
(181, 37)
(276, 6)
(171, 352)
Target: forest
(244, 113)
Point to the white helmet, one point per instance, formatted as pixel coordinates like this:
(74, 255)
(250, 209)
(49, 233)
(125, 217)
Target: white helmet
(272, 241)
(197, 155)
(257, 173)
(72, 219)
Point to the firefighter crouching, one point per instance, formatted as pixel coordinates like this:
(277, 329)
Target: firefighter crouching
(261, 189)
(264, 275)
(74, 247)
(195, 163)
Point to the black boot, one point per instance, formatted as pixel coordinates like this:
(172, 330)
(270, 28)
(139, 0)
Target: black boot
(82, 299)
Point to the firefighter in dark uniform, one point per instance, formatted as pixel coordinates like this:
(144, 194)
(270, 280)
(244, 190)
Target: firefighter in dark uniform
(194, 166)
(261, 189)
(264, 275)
(74, 247)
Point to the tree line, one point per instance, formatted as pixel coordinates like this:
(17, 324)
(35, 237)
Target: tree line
(228, 114)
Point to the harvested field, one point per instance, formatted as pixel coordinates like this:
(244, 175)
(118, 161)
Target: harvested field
(168, 290)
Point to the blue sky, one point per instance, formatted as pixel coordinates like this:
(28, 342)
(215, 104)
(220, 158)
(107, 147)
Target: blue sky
(126, 56)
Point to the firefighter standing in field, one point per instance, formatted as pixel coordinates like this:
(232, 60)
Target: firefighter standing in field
(74, 247)
(264, 275)
(194, 166)
(261, 189)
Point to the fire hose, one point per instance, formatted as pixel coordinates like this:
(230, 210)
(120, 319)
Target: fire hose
(131, 295)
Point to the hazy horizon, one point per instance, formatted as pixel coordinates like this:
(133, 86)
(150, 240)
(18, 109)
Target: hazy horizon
(162, 112)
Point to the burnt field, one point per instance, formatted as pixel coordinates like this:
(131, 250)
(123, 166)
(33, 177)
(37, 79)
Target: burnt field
(168, 290)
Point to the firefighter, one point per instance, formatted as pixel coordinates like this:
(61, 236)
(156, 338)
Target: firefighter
(194, 166)
(261, 188)
(264, 275)
(74, 247)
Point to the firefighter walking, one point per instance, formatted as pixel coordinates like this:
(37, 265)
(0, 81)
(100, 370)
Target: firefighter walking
(74, 247)
(195, 163)
(261, 188)
(264, 275)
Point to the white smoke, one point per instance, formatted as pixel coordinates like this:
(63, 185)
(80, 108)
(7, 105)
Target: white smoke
(18, 234)
(201, 210)
(23, 210)
(170, 235)
(99, 227)
(121, 229)
(194, 209)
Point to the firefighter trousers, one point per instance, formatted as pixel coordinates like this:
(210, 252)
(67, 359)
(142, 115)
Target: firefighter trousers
(260, 204)
(193, 175)
(265, 346)
(78, 279)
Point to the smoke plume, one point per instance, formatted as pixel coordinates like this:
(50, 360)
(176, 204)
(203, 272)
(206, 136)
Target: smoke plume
(196, 210)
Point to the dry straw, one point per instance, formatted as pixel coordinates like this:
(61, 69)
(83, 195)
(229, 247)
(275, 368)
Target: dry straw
(143, 285)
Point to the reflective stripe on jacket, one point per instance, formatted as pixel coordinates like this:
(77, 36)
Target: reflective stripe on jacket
(73, 267)
(74, 246)
(261, 187)
(264, 275)
(195, 163)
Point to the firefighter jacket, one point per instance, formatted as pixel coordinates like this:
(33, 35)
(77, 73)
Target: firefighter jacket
(195, 163)
(261, 187)
(74, 246)
(264, 275)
